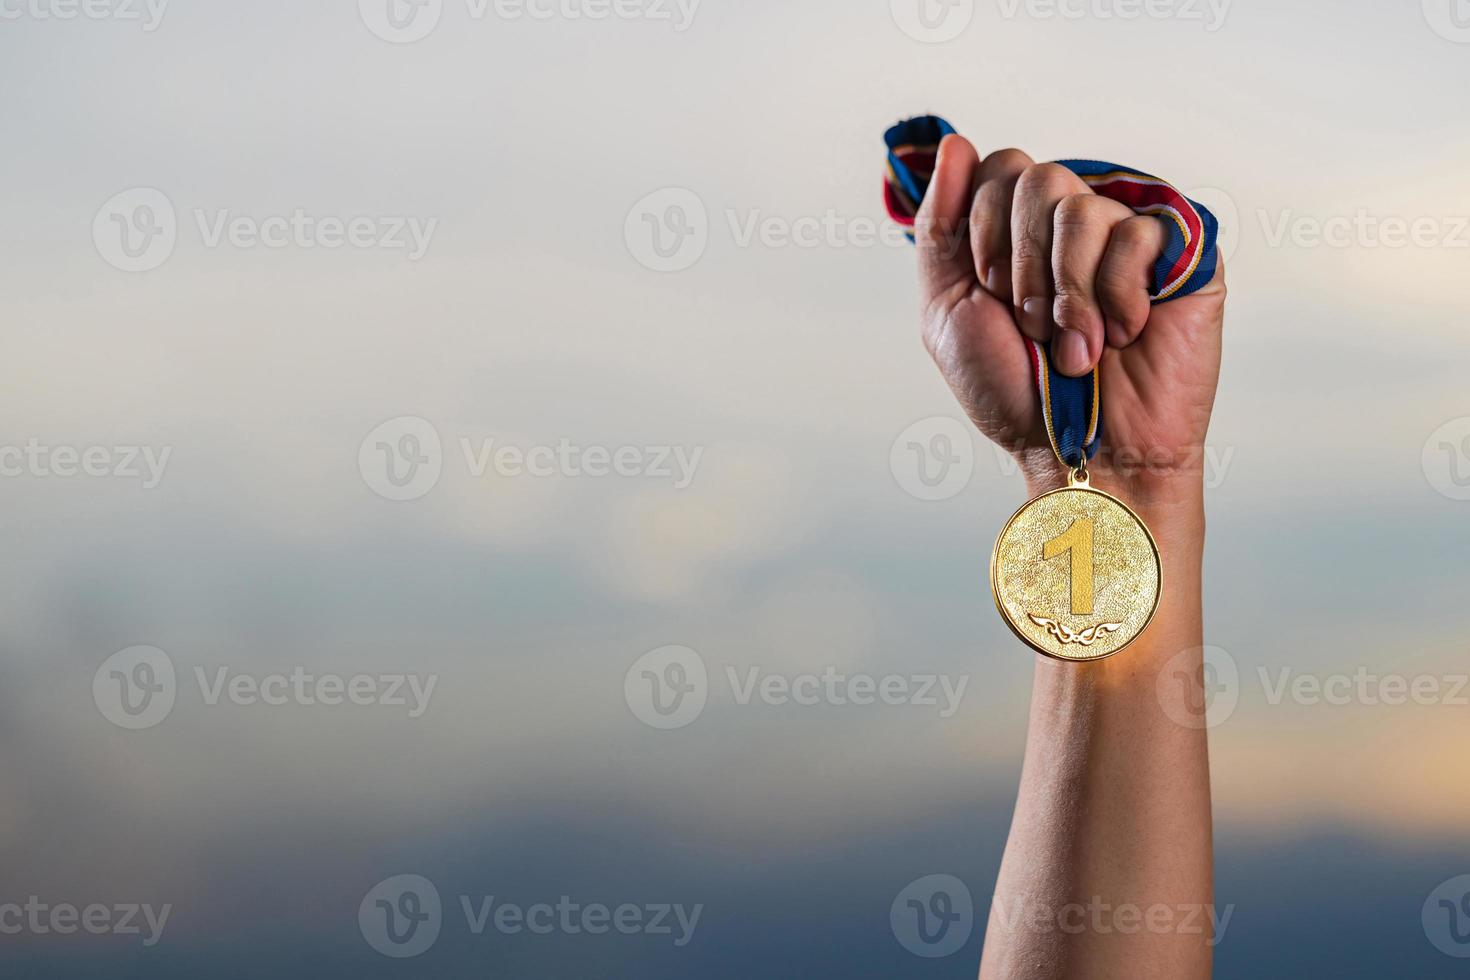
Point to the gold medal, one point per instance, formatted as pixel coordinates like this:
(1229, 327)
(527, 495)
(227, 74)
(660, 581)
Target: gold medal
(1076, 573)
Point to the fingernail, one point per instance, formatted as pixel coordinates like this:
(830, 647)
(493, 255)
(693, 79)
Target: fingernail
(1034, 320)
(1071, 351)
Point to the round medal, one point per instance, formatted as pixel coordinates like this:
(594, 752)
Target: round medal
(1075, 573)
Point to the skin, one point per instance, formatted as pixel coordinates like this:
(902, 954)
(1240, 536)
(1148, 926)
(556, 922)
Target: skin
(1114, 803)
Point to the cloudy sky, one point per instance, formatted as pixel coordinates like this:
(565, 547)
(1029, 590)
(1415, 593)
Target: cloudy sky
(468, 357)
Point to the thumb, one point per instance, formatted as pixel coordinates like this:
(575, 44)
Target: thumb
(941, 228)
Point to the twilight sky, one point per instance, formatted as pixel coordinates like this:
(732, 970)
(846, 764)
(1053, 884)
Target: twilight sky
(471, 231)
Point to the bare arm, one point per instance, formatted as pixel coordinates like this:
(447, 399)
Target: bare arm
(1107, 872)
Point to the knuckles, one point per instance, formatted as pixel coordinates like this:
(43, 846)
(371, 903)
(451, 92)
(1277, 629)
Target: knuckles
(1074, 311)
(1007, 161)
(1138, 237)
(1080, 211)
(1048, 180)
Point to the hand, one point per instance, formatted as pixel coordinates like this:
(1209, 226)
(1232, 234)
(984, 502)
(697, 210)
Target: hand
(1009, 249)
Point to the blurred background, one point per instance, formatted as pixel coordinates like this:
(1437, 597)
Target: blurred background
(462, 456)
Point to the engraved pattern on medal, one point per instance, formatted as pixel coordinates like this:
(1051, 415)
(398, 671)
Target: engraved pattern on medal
(1076, 575)
(1086, 638)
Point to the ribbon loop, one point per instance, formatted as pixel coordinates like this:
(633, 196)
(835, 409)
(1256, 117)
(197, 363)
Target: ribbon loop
(1070, 407)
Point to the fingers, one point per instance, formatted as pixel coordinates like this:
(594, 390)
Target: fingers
(990, 219)
(1081, 230)
(1075, 267)
(1039, 190)
(940, 228)
(1125, 275)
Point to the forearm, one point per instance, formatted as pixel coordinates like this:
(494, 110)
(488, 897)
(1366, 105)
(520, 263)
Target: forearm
(1107, 872)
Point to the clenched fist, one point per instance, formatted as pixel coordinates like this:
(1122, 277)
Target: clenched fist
(1009, 249)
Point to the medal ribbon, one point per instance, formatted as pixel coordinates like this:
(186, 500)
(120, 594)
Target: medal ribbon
(1070, 407)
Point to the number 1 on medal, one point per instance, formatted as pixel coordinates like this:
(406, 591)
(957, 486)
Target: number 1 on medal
(1078, 540)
